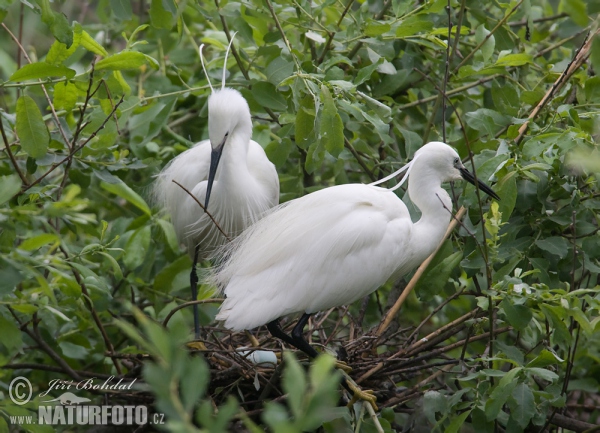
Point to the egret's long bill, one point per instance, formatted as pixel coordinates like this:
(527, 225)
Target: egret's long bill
(468, 176)
(215, 157)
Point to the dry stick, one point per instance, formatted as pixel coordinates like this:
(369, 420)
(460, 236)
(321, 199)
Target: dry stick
(54, 115)
(415, 388)
(413, 281)
(51, 368)
(190, 303)
(580, 56)
(489, 35)
(10, 154)
(203, 208)
(75, 149)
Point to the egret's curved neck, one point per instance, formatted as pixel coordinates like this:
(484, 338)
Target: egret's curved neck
(433, 201)
(234, 161)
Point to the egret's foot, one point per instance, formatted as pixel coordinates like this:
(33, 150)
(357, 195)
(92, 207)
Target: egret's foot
(366, 395)
(341, 365)
(196, 345)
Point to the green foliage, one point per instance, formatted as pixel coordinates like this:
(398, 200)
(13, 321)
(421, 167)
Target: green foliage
(340, 92)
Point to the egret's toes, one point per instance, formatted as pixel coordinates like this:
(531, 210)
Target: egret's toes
(365, 395)
(343, 366)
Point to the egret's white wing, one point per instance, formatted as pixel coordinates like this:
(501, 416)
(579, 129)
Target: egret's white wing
(189, 169)
(326, 249)
(265, 174)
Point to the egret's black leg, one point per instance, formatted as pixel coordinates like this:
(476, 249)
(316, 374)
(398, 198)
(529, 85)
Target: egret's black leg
(194, 286)
(298, 337)
(275, 329)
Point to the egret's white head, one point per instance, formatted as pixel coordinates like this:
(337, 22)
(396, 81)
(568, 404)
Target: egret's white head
(440, 160)
(228, 113)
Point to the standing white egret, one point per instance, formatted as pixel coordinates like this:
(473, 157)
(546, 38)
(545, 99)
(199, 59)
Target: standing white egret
(335, 246)
(229, 167)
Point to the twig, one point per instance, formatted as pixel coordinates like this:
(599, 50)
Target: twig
(359, 159)
(188, 304)
(413, 281)
(373, 416)
(489, 35)
(332, 34)
(10, 154)
(75, 149)
(51, 368)
(203, 208)
(54, 115)
(581, 55)
(380, 14)
(95, 316)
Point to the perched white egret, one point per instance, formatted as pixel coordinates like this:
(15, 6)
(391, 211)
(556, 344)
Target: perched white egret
(243, 182)
(335, 246)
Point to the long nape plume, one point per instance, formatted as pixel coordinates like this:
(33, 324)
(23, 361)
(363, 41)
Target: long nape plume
(204, 68)
(406, 168)
(225, 64)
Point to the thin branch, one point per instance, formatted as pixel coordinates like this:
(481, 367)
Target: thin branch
(75, 149)
(10, 154)
(489, 35)
(203, 208)
(189, 304)
(580, 56)
(332, 34)
(54, 115)
(413, 281)
(359, 159)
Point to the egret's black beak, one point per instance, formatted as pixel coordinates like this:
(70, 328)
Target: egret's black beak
(466, 175)
(215, 157)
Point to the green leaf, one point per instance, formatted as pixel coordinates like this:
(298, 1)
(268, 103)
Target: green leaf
(122, 190)
(331, 128)
(160, 17)
(122, 61)
(121, 9)
(375, 28)
(365, 73)
(266, 94)
(487, 49)
(117, 272)
(544, 359)
(294, 383)
(73, 351)
(33, 71)
(577, 11)
(556, 245)
(433, 402)
(31, 128)
(518, 59)
(65, 96)
(556, 316)
(305, 122)
(501, 393)
(487, 121)
(137, 247)
(506, 188)
(59, 52)
(436, 277)
(278, 70)
(170, 236)
(518, 316)
(543, 373)
(413, 25)
(39, 241)
(56, 22)
(9, 186)
(457, 422)
(11, 335)
(91, 45)
(523, 408)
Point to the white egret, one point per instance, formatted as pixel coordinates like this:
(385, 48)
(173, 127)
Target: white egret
(230, 168)
(335, 246)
